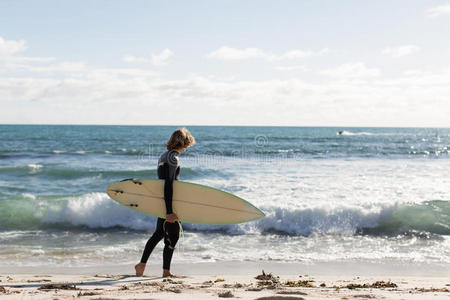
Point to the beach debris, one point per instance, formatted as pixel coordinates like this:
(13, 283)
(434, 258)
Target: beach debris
(87, 294)
(323, 285)
(9, 278)
(364, 296)
(124, 288)
(173, 290)
(237, 285)
(172, 281)
(299, 283)
(226, 294)
(269, 281)
(376, 284)
(58, 287)
(265, 276)
(219, 280)
(2, 289)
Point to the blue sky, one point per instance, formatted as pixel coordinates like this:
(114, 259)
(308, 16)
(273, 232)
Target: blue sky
(297, 63)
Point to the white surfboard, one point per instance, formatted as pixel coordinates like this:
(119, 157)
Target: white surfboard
(193, 203)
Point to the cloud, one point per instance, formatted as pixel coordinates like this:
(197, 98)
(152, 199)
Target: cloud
(295, 54)
(11, 47)
(439, 11)
(407, 100)
(401, 50)
(351, 71)
(77, 92)
(156, 59)
(9, 50)
(228, 53)
(162, 58)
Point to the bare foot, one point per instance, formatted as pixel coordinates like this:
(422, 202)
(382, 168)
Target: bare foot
(140, 267)
(166, 273)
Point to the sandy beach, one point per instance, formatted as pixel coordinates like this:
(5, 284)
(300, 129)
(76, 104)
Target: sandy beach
(36, 284)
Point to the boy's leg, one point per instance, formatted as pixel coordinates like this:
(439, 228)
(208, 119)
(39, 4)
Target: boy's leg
(149, 246)
(171, 235)
(153, 240)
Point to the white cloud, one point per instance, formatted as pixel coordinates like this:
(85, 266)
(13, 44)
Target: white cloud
(156, 59)
(439, 10)
(400, 51)
(355, 70)
(162, 58)
(406, 100)
(77, 92)
(11, 47)
(9, 50)
(413, 73)
(228, 53)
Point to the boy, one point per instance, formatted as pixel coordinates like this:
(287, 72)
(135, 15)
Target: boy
(169, 170)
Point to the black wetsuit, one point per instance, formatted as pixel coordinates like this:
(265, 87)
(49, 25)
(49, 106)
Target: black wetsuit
(169, 170)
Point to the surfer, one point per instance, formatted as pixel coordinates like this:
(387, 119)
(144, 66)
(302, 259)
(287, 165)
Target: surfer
(168, 228)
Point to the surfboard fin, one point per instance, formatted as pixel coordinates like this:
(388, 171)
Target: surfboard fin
(134, 180)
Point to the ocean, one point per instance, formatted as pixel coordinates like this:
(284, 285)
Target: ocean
(329, 194)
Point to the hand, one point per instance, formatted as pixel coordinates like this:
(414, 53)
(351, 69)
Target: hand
(171, 218)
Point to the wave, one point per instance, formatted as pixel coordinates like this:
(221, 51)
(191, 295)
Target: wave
(344, 132)
(51, 172)
(98, 211)
(11, 153)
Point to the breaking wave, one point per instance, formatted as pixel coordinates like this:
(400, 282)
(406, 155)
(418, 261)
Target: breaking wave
(98, 211)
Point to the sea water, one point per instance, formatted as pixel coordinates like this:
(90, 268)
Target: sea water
(329, 194)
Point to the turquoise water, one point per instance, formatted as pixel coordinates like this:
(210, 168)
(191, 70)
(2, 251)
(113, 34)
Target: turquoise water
(330, 194)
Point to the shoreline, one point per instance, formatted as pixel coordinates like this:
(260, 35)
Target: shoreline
(154, 268)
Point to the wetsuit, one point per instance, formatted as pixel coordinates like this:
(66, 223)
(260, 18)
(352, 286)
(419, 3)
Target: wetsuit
(169, 170)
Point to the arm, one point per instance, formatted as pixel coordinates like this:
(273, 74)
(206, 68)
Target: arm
(171, 174)
(168, 194)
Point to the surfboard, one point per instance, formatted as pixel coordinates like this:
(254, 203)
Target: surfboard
(193, 203)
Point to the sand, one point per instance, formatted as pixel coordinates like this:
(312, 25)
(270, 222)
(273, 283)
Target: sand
(224, 284)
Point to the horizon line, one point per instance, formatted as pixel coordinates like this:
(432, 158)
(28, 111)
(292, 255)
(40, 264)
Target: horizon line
(219, 125)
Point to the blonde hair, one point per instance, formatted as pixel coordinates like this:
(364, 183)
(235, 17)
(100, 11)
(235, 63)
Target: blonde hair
(180, 138)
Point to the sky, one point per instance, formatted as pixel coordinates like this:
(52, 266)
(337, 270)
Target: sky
(237, 62)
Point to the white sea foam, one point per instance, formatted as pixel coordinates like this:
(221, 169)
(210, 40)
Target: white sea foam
(344, 132)
(28, 196)
(58, 151)
(34, 168)
(96, 210)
